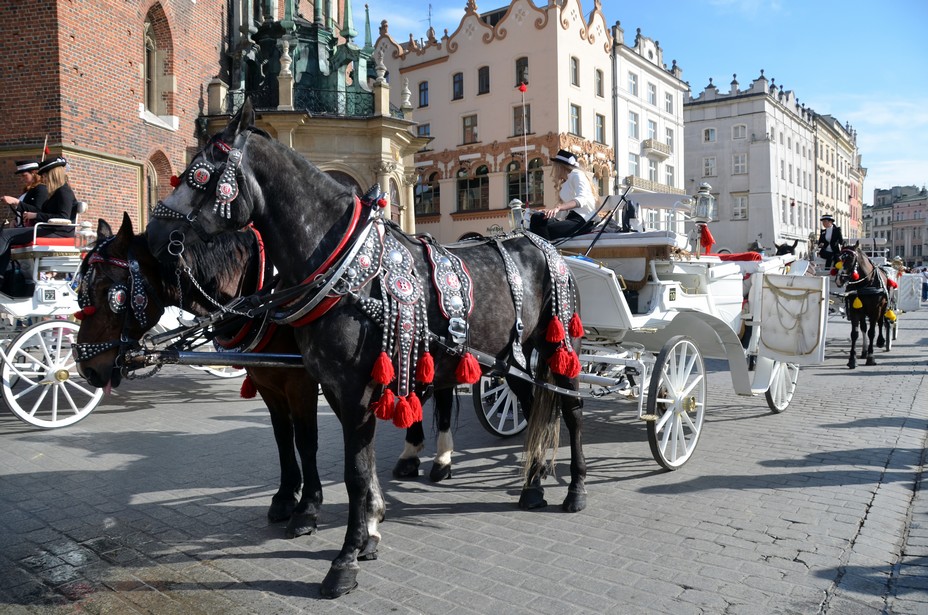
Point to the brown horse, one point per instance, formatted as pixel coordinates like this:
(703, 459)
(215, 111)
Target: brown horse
(866, 300)
(232, 266)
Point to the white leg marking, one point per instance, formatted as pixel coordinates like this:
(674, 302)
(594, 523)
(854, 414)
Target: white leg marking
(445, 448)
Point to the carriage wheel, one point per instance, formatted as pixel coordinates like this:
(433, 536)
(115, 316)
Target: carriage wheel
(782, 385)
(39, 377)
(498, 408)
(676, 402)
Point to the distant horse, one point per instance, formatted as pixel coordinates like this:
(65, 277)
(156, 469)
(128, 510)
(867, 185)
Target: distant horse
(371, 303)
(866, 300)
(231, 266)
(784, 248)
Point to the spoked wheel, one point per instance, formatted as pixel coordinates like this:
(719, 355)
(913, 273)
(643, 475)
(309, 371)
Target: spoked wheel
(782, 385)
(676, 403)
(39, 377)
(498, 408)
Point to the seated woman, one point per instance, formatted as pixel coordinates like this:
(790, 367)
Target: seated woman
(577, 201)
(35, 193)
(61, 203)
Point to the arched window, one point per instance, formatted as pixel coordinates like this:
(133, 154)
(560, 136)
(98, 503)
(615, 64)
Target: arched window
(158, 67)
(151, 186)
(521, 70)
(536, 183)
(515, 182)
(427, 195)
(473, 191)
(395, 201)
(345, 180)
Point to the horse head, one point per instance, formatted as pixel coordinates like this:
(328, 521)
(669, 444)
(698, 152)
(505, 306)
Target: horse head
(785, 248)
(852, 265)
(117, 303)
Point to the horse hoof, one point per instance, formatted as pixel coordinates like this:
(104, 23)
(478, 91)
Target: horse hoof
(369, 552)
(301, 525)
(532, 498)
(574, 502)
(871, 361)
(339, 581)
(280, 511)
(440, 472)
(406, 468)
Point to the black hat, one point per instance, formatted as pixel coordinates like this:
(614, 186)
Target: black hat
(50, 164)
(828, 217)
(26, 165)
(565, 157)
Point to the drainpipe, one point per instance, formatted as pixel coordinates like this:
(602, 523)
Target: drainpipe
(615, 107)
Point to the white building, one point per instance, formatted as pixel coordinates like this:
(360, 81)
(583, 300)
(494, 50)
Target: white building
(756, 148)
(586, 91)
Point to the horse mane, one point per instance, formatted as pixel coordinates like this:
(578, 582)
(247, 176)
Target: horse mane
(225, 268)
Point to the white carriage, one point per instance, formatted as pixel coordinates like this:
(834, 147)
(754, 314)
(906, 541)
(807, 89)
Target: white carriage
(652, 311)
(38, 373)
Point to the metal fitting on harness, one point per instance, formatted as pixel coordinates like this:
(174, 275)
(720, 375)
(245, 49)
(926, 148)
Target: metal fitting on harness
(457, 329)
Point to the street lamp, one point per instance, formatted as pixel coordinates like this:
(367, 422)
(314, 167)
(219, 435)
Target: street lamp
(516, 212)
(704, 211)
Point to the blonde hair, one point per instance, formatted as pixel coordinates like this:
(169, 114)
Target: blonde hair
(561, 171)
(55, 178)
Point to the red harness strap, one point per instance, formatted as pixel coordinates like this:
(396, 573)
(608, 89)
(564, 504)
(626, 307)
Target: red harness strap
(248, 326)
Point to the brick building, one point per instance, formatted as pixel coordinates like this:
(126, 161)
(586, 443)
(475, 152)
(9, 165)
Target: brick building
(115, 86)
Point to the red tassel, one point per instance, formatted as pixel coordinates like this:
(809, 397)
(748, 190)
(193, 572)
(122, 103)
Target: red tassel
(383, 370)
(855, 276)
(559, 362)
(468, 371)
(833, 272)
(425, 369)
(575, 328)
(383, 407)
(891, 283)
(705, 237)
(573, 365)
(555, 332)
(248, 388)
(408, 411)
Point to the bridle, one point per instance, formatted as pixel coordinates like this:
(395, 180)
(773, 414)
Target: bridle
(129, 300)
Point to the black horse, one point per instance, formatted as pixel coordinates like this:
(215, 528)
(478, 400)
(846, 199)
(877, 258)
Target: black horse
(230, 266)
(370, 303)
(784, 248)
(866, 300)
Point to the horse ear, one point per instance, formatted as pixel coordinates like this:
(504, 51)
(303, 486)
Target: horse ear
(243, 119)
(795, 242)
(104, 231)
(126, 227)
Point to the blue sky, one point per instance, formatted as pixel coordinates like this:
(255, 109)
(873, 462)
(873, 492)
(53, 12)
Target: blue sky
(862, 61)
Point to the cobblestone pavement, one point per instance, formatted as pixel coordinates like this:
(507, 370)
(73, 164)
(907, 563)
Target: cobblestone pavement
(156, 504)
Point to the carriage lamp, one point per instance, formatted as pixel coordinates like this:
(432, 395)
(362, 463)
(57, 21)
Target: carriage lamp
(704, 210)
(516, 211)
(84, 238)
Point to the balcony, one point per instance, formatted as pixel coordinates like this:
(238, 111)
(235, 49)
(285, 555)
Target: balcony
(645, 184)
(653, 148)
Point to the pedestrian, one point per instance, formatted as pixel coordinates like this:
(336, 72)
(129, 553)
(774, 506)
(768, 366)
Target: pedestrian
(34, 193)
(830, 240)
(576, 201)
(61, 204)
(924, 283)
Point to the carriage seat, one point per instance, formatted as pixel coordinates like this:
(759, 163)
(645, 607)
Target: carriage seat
(628, 254)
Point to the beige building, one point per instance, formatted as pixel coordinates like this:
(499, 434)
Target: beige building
(492, 142)
(837, 172)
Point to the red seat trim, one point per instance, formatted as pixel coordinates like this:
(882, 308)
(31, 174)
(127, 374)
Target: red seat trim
(48, 241)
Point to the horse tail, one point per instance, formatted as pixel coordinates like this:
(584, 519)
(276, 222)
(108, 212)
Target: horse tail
(543, 434)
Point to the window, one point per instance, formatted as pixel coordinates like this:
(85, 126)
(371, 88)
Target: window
(457, 86)
(739, 164)
(423, 93)
(670, 138)
(652, 130)
(669, 177)
(575, 120)
(790, 169)
(424, 130)
(600, 128)
(632, 125)
(739, 207)
(469, 123)
(782, 169)
(668, 102)
(515, 181)
(633, 164)
(536, 182)
(521, 70)
(652, 170)
(652, 94)
(633, 84)
(574, 71)
(158, 59)
(427, 191)
(473, 191)
(739, 132)
(522, 120)
(708, 135)
(483, 80)
(708, 166)
(599, 83)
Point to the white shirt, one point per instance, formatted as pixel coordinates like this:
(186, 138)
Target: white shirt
(577, 188)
